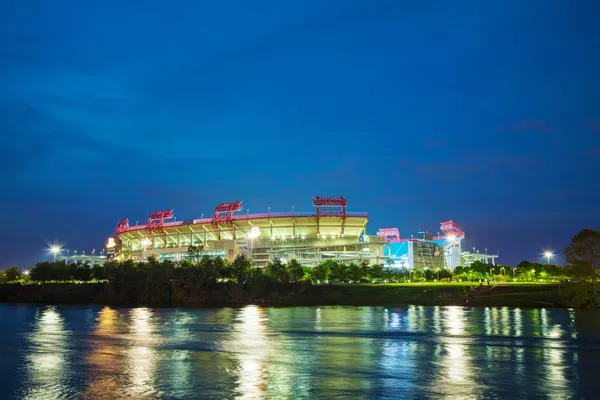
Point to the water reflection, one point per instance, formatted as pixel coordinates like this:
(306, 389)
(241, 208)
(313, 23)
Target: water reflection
(104, 356)
(46, 360)
(141, 354)
(326, 352)
(250, 336)
(456, 375)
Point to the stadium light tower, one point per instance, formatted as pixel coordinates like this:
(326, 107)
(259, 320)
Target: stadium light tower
(548, 254)
(54, 250)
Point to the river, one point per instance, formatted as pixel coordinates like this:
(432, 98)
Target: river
(412, 352)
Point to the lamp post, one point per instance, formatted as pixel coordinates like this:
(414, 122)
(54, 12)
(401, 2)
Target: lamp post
(548, 254)
(54, 250)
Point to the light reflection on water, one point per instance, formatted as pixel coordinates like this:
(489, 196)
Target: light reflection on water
(46, 363)
(325, 352)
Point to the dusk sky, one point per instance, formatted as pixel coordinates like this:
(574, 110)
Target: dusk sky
(486, 113)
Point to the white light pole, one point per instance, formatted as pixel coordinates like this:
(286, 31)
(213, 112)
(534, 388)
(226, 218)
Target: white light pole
(548, 254)
(54, 250)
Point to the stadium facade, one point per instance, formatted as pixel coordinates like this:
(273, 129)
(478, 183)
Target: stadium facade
(330, 232)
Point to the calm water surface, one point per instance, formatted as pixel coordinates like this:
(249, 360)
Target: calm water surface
(294, 353)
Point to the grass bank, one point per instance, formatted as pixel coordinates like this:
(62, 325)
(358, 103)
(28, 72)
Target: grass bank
(428, 294)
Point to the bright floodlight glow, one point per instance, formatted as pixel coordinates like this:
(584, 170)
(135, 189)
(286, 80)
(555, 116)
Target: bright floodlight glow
(451, 237)
(254, 232)
(548, 254)
(54, 249)
(26, 272)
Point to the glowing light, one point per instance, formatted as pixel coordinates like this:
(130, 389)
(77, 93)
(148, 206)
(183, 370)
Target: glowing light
(55, 249)
(366, 249)
(26, 272)
(111, 243)
(145, 243)
(548, 254)
(451, 238)
(303, 237)
(254, 232)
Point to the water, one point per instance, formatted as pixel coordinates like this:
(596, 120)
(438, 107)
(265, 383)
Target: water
(49, 352)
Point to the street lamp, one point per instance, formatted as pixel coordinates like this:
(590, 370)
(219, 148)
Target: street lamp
(548, 254)
(54, 250)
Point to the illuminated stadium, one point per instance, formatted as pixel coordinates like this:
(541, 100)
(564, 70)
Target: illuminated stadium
(329, 232)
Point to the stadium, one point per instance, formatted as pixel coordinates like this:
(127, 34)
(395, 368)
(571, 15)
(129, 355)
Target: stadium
(327, 233)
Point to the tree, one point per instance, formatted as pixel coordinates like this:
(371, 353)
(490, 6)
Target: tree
(277, 271)
(321, 272)
(194, 253)
(98, 272)
(210, 270)
(339, 272)
(240, 268)
(295, 271)
(584, 255)
(376, 272)
(42, 272)
(308, 273)
(355, 272)
(11, 274)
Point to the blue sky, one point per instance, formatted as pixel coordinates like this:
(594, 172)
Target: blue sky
(418, 112)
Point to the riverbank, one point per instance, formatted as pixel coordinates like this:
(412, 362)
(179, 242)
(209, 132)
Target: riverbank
(430, 294)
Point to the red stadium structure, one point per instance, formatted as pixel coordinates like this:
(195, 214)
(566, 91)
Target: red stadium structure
(389, 235)
(223, 215)
(451, 228)
(156, 221)
(122, 226)
(330, 201)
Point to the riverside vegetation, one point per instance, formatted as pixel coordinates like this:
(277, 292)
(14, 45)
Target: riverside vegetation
(211, 281)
